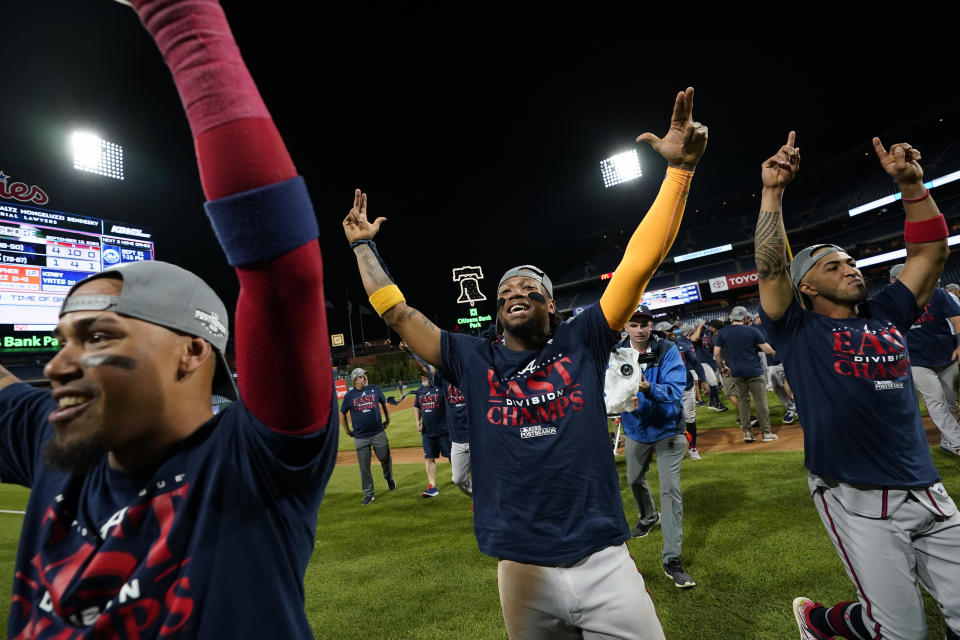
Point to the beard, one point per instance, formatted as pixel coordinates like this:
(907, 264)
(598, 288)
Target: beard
(77, 457)
(850, 298)
(531, 329)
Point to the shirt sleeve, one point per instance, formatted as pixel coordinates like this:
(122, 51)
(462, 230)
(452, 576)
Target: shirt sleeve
(718, 339)
(452, 352)
(416, 401)
(949, 304)
(592, 328)
(896, 303)
(344, 406)
(382, 398)
(23, 430)
(785, 325)
(673, 378)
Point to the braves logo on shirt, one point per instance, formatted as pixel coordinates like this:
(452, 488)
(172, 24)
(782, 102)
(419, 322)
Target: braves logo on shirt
(119, 579)
(540, 393)
(861, 352)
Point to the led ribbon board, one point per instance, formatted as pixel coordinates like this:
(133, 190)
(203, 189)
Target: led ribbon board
(42, 254)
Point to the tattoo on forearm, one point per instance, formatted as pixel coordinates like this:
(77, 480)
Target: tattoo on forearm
(769, 245)
(370, 267)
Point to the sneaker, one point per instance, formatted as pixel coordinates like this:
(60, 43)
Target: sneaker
(769, 437)
(950, 450)
(713, 408)
(723, 408)
(641, 531)
(391, 484)
(748, 436)
(694, 454)
(801, 613)
(789, 417)
(367, 500)
(430, 492)
(753, 421)
(678, 574)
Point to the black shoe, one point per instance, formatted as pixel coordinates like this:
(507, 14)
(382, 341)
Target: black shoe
(675, 571)
(391, 484)
(753, 421)
(641, 531)
(367, 500)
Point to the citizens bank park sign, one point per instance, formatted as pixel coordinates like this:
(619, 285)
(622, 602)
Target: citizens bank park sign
(733, 281)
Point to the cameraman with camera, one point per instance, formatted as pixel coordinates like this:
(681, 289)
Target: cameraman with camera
(645, 381)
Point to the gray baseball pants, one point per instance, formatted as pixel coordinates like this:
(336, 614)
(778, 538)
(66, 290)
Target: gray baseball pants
(757, 387)
(670, 452)
(779, 381)
(936, 387)
(599, 597)
(381, 447)
(460, 466)
(888, 558)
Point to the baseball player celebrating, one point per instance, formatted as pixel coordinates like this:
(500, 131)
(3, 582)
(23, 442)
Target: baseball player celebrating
(871, 475)
(149, 517)
(546, 494)
(934, 344)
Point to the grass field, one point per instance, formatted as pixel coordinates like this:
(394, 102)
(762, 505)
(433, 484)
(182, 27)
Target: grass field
(407, 567)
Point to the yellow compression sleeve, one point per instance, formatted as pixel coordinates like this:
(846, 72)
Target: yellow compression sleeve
(647, 248)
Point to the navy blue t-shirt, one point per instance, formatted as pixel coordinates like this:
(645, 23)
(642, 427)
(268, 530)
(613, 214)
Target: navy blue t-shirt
(930, 339)
(689, 356)
(545, 485)
(170, 550)
(364, 410)
(740, 344)
(853, 387)
(433, 410)
(775, 358)
(704, 347)
(456, 413)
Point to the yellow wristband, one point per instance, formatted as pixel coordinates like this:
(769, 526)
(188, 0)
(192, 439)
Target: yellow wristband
(386, 298)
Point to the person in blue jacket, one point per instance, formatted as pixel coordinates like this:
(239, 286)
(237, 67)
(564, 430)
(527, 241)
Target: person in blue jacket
(656, 425)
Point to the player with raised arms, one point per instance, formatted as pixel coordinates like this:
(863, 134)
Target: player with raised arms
(546, 493)
(870, 470)
(148, 516)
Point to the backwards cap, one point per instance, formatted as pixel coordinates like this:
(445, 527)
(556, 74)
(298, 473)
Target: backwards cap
(164, 294)
(804, 261)
(739, 314)
(895, 270)
(529, 271)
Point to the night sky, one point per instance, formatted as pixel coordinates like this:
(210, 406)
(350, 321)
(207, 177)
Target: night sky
(479, 138)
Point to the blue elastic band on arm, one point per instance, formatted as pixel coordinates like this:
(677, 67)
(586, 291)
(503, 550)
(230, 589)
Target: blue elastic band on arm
(265, 223)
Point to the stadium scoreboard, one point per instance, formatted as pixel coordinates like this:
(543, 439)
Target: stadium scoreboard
(672, 296)
(42, 254)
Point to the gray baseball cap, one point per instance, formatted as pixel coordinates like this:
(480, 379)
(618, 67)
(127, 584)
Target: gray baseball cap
(895, 270)
(356, 373)
(529, 271)
(953, 286)
(804, 261)
(739, 313)
(686, 328)
(167, 295)
(663, 326)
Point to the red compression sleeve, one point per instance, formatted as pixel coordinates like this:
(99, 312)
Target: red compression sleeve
(280, 327)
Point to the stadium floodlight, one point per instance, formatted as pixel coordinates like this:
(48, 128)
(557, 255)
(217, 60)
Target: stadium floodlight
(91, 153)
(936, 182)
(620, 168)
(896, 255)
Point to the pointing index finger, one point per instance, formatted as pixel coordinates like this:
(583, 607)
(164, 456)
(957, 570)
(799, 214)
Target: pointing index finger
(878, 147)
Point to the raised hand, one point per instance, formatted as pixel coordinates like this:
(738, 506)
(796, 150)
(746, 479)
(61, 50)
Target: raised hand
(901, 163)
(778, 170)
(355, 225)
(686, 140)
